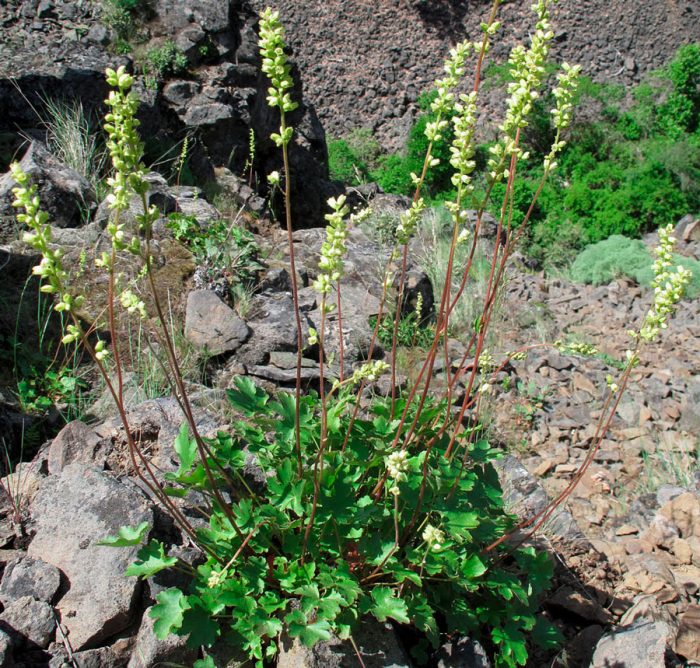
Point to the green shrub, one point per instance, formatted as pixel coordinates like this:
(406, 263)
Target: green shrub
(394, 171)
(122, 16)
(344, 165)
(364, 147)
(165, 60)
(606, 260)
(352, 158)
(619, 256)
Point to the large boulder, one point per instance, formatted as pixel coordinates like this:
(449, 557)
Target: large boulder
(642, 645)
(72, 512)
(213, 326)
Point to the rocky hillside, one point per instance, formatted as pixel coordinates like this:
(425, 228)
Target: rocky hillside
(364, 63)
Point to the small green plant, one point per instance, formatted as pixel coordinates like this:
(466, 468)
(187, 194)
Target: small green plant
(121, 16)
(531, 399)
(343, 165)
(221, 245)
(353, 158)
(165, 60)
(667, 466)
(412, 332)
(38, 392)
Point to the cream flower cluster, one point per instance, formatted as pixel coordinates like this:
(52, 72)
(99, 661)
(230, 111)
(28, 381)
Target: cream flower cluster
(396, 468)
(370, 371)
(562, 114)
(50, 269)
(126, 150)
(333, 249)
(527, 67)
(668, 286)
(434, 537)
(408, 221)
(277, 68)
(443, 103)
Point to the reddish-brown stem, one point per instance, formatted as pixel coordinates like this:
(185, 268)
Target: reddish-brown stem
(395, 333)
(537, 520)
(318, 464)
(341, 341)
(295, 294)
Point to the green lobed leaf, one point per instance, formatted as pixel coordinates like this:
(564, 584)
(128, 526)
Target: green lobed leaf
(186, 449)
(150, 559)
(247, 397)
(197, 622)
(308, 633)
(285, 492)
(423, 617)
(169, 612)
(126, 536)
(387, 605)
(472, 567)
(545, 634)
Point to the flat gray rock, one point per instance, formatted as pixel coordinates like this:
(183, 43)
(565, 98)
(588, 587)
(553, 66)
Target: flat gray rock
(29, 577)
(64, 194)
(76, 442)
(642, 645)
(29, 621)
(212, 325)
(463, 653)
(72, 512)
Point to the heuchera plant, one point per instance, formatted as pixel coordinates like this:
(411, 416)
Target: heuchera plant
(388, 507)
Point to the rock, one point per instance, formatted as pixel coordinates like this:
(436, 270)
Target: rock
(103, 408)
(149, 651)
(579, 650)
(524, 495)
(688, 229)
(684, 512)
(687, 642)
(271, 317)
(211, 325)
(5, 650)
(29, 621)
(29, 577)
(98, 34)
(76, 442)
(573, 601)
(642, 645)
(65, 195)
(238, 189)
(682, 549)
(23, 483)
(102, 657)
(71, 513)
(377, 644)
(462, 653)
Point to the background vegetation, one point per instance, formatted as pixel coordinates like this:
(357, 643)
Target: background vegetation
(630, 166)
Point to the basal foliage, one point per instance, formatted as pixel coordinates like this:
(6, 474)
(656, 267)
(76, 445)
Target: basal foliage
(413, 554)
